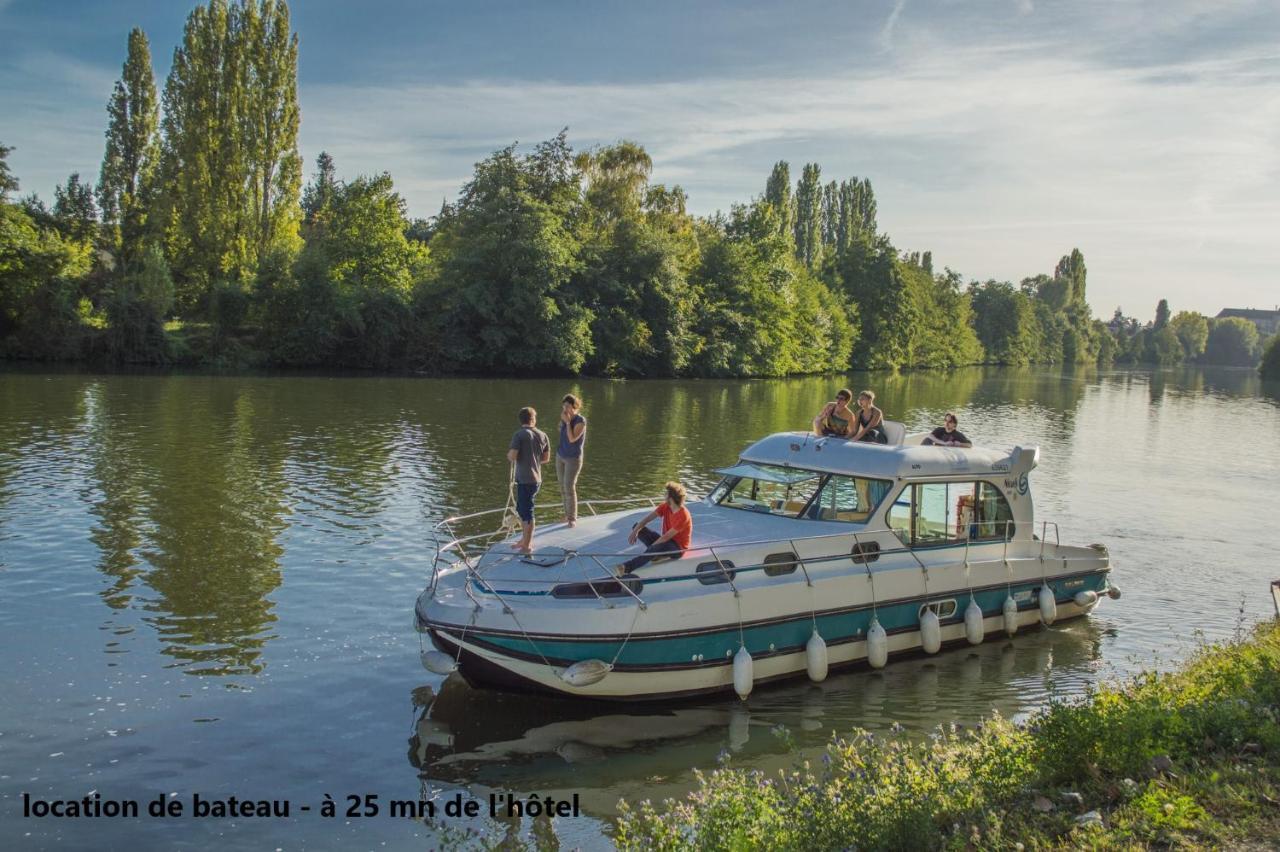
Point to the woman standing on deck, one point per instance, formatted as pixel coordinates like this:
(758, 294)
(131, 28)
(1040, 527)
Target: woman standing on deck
(573, 435)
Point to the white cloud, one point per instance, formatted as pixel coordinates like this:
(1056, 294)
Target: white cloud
(997, 160)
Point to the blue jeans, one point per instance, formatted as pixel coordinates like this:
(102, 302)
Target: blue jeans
(652, 551)
(524, 500)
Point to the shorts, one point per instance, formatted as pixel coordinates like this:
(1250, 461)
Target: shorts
(524, 500)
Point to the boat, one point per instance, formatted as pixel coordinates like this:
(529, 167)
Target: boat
(809, 554)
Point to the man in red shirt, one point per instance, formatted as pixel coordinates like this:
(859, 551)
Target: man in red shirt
(677, 530)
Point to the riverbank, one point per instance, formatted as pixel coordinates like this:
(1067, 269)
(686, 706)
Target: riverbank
(1186, 759)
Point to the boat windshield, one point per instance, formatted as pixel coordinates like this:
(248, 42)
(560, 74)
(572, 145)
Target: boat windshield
(794, 493)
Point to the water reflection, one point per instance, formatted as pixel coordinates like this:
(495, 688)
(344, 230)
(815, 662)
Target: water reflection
(463, 736)
(270, 534)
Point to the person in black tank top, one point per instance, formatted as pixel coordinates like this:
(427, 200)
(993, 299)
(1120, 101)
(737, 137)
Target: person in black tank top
(870, 420)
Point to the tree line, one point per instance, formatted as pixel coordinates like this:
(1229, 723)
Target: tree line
(1189, 337)
(199, 243)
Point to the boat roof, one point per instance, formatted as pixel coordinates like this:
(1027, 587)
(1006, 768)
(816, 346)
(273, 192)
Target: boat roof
(880, 461)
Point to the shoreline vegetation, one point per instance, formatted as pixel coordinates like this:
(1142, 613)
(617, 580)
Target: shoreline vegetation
(1186, 759)
(199, 245)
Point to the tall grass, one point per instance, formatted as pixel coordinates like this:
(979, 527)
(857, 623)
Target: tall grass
(1187, 758)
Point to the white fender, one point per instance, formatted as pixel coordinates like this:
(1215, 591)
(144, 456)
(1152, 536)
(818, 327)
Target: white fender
(743, 676)
(930, 632)
(1010, 615)
(438, 662)
(1086, 599)
(877, 645)
(585, 672)
(974, 628)
(815, 657)
(1048, 605)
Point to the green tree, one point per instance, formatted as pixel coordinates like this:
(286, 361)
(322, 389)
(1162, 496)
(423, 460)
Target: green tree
(1162, 314)
(1072, 268)
(617, 177)
(1192, 330)
(1055, 292)
(318, 196)
(1232, 341)
(364, 243)
(136, 307)
(8, 183)
(1270, 366)
(74, 212)
(777, 192)
(349, 298)
(1163, 347)
(871, 276)
(126, 182)
(636, 252)
(1004, 322)
(808, 221)
(507, 257)
(39, 288)
(229, 163)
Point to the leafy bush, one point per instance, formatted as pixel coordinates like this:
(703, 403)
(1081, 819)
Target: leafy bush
(896, 793)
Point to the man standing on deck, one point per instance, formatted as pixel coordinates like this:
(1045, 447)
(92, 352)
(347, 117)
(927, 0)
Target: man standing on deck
(529, 449)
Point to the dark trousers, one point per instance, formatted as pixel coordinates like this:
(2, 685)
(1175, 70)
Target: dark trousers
(652, 551)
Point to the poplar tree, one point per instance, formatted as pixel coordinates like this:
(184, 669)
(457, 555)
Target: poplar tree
(1162, 314)
(808, 222)
(230, 162)
(318, 196)
(128, 166)
(831, 214)
(777, 191)
(1071, 267)
(269, 119)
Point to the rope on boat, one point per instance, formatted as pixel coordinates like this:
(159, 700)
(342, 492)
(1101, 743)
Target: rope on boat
(510, 521)
(635, 619)
(875, 613)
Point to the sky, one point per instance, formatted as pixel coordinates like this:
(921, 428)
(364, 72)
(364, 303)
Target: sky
(998, 134)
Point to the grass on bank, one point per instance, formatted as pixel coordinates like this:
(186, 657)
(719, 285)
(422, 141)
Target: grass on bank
(1189, 759)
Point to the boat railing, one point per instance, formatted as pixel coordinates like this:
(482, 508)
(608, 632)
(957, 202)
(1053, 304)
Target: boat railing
(722, 554)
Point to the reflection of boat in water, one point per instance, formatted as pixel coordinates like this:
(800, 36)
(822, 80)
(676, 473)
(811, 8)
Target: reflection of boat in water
(506, 741)
(810, 553)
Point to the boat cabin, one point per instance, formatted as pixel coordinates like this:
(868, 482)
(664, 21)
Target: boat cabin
(927, 495)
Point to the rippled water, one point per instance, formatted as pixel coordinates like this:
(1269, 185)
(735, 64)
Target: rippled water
(207, 583)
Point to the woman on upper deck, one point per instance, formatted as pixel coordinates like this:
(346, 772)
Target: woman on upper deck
(869, 425)
(835, 418)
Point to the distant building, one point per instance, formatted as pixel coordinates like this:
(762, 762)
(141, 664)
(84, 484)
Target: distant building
(1267, 322)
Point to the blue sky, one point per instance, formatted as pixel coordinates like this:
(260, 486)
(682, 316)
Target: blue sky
(997, 134)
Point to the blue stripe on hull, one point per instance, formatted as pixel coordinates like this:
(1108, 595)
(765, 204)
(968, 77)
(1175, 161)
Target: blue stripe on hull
(776, 638)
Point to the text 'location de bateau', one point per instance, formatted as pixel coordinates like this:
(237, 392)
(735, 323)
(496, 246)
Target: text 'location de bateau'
(94, 806)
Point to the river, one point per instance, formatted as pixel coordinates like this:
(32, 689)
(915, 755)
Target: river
(208, 584)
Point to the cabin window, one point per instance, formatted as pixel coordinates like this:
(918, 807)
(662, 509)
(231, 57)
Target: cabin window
(600, 588)
(865, 551)
(711, 573)
(942, 609)
(847, 498)
(766, 488)
(777, 564)
(928, 514)
(994, 516)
